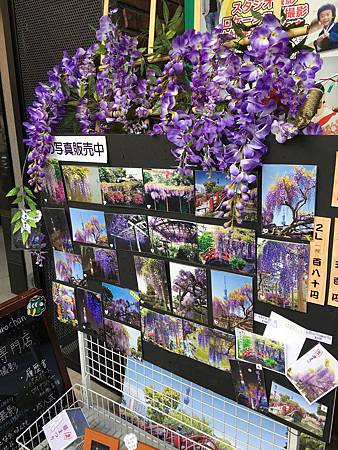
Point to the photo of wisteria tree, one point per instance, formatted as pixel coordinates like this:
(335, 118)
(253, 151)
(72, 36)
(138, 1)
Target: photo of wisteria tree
(35, 239)
(122, 186)
(209, 346)
(233, 248)
(124, 339)
(314, 374)
(162, 330)
(121, 304)
(189, 292)
(257, 349)
(128, 232)
(89, 312)
(64, 298)
(100, 263)
(68, 268)
(288, 200)
(210, 196)
(152, 282)
(282, 273)
(53, 191)
(82, 183)
(232, 300)
(88, 226)
(292, 407)
(166, 190)
(249, 385)
(57, 229)
(173, 238)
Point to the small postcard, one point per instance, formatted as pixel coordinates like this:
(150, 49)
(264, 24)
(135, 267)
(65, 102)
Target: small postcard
(166, 190)
(234, 248)
(288, 200)
(57, 229)
(64, 298)
(173, 238)
(53, 191)
(282, 273)
(122, 186)
(68, 268)
(121, 304)
(152, 282)
(249, 385)
(232, 300)
(124, 339)
(88, 226)
(189, 292)
(128, 232)
(258, 349)
(100, 263)
(89, 312)
(82, 183)
(292, 407)
(314, 374)
(209, 346)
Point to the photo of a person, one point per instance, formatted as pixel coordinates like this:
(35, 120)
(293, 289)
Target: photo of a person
(210, 12)
(326, 24)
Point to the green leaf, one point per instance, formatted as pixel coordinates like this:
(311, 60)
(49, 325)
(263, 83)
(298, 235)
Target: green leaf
(91, 85)
(101, 50)
(238, 30)
(96, 96)
(17, 216)
(24, 236)
(32, 214)
(30, 203)
(256, 15)
(170, 34)
(16, 227)
(73, 103)
(32, 223)
(29, 192)
(82, 90)
(176, 18)
(13, 191)
(65, 88)
(17, 200)
(158, 27)
(165, 12)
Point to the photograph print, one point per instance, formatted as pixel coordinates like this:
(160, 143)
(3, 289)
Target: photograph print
(122, 338)
(162, 330)
(128, 232)
(167, 190)
(282, 273)
(210, 196)
(231, 248)
(288, 200)
(89, 312)
(57, 229)
(152, 282)
(82, 183)
(68, 268)
(53, 191)
(249, 385)
(64, 299)
(257, 349)
(88, 226)
(189, 292)
(100, 263)
(323, 30)
(232, 300)
(173, 238)
(290, 406)
(122, 186)
(121, 304)
(212, 347)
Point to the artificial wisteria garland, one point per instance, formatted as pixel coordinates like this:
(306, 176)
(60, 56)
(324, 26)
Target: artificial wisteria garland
(215, 103)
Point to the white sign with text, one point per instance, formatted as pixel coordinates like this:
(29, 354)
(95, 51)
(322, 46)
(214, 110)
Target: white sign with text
(85, 149)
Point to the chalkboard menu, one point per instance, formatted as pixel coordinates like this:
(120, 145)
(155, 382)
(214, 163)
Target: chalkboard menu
(32, 373)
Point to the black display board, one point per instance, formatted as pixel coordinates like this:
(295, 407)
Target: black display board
(32, 373)
(147, 152)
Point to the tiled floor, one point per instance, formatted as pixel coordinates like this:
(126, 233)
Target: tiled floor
(5, 290)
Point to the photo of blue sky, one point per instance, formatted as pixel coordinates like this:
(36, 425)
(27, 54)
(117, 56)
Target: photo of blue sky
(203, 177)
(123, 293)
(72, 261)
(270, 173)
(80, 217)
(243, 428)
(233, 281)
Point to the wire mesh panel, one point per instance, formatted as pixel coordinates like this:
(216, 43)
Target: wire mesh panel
(153, 392)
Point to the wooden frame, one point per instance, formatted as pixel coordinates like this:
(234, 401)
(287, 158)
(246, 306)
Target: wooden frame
(19, 302)
(101, 438)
